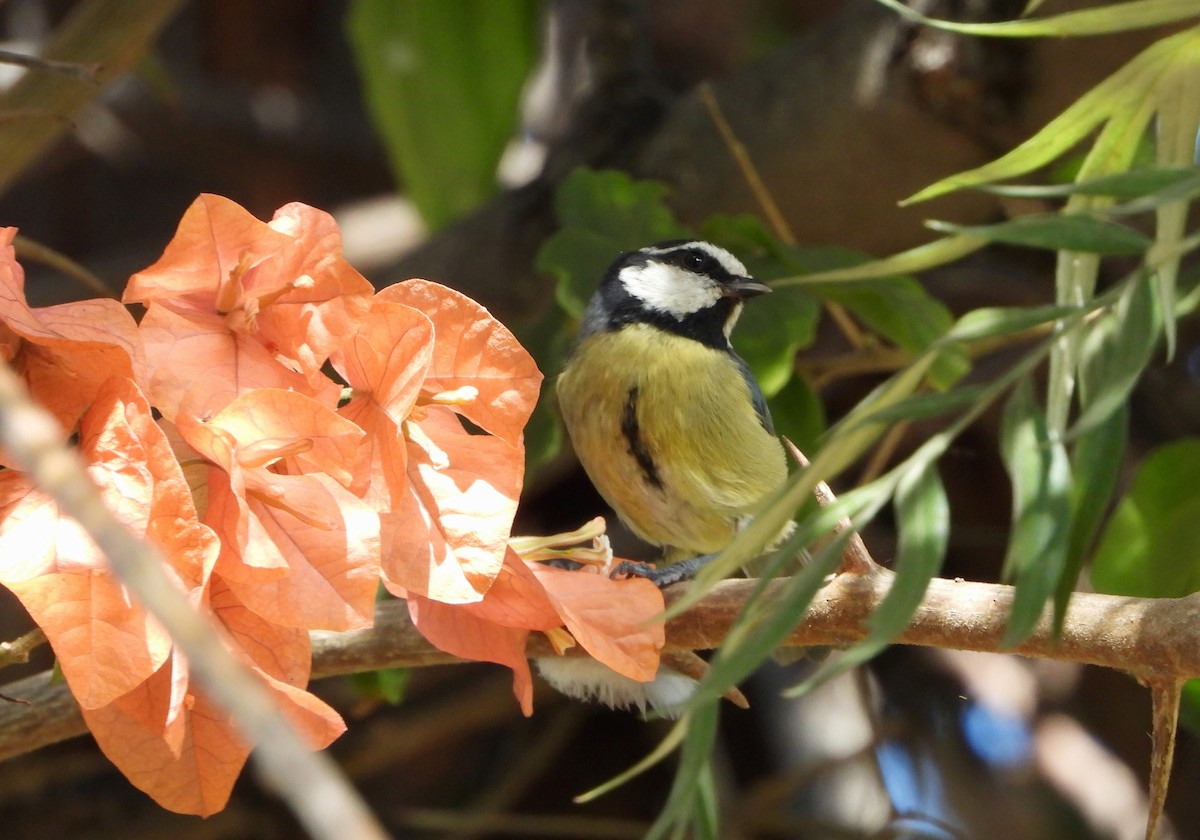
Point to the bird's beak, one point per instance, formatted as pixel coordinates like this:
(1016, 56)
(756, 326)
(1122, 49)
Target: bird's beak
(743, 287)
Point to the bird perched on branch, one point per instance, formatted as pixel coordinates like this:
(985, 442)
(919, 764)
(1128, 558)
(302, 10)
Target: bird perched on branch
(665, 417)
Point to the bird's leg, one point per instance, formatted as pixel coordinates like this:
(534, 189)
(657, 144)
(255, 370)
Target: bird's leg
(664, 576)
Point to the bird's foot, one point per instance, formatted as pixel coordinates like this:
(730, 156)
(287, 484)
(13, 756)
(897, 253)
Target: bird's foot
(666, 575)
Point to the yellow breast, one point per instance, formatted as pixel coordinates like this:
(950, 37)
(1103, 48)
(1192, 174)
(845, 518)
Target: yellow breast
(667, 432)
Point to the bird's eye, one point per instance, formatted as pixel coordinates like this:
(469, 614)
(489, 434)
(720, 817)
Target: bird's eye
(696, 262)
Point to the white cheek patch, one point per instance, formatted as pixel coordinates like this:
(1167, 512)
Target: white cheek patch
(669, 289)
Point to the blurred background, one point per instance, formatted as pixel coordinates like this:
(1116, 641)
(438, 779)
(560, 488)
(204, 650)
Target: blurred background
(437, 131)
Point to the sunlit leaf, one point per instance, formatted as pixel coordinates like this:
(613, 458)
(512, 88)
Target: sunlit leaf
(1114, 17)
(1096, 460)
(1125, 89)
(1151, 545)
(1006, 320)
(1154, 184)
(912, 261)
(601, 214)
(1040, 473)
(1058, 232)
(1115, 352)
(442, 84)
(678, 816)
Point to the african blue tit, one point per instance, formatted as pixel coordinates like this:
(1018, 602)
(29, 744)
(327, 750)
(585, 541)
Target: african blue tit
(665, 417)
(669, 424)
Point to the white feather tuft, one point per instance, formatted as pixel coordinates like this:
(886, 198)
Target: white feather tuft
(587, 679)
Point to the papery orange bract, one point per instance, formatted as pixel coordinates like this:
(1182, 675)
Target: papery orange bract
(105, 644)
(473, 349)
(453, 523)
(494, 629)
(198, 366)
(387, 359)
(246, 296)
(176, 746)
(611, 619)
(450, 627)
(299, 549)
(64, 352)
(385, 363)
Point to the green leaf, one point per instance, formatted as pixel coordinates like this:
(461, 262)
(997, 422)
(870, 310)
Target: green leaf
(1058, 232)
(923, 406)
(690, 803)
(1114, 17)
(1096, 458)
(1155, 184)
(914, 260)
(772, 330)
(1115, 352)
(601, 214)
(901, 311)
(1041, 477)
(441, 82)
(923, 518)
(1151, 546)
(386, 684)
(666, 746)
(1125, 90)
(1006, 320)
(799, 414)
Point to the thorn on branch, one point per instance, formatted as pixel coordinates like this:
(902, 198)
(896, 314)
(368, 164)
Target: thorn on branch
(856, 559)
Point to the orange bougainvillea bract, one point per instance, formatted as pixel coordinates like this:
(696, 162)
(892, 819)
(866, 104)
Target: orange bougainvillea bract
(280, 497)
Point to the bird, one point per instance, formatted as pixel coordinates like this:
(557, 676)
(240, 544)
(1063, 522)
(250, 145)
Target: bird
(665, 417)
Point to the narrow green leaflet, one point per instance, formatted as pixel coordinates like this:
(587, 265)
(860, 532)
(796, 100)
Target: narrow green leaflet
(926, 405)
(665, 747)
(1006, 320)
(441, 82)
(1124, 90)
(691, 806)
(912, 261)
(853, 435)
(1041, 477)
(1179, 116)
(1058, 232)
(923, 518)
(1154, 184)
(1114, 17)
(1151, 546)
(1115, 351)
(1096, 458)
(601, 214)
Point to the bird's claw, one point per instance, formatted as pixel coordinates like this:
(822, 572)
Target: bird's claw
(666, 575)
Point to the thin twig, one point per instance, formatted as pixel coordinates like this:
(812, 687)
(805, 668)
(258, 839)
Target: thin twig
(18, 650)
(30, 249)
(767, 205)
(856, 558)
(320, 797)
(84, 72)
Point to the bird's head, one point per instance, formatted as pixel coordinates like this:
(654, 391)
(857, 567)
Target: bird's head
(689, 287)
